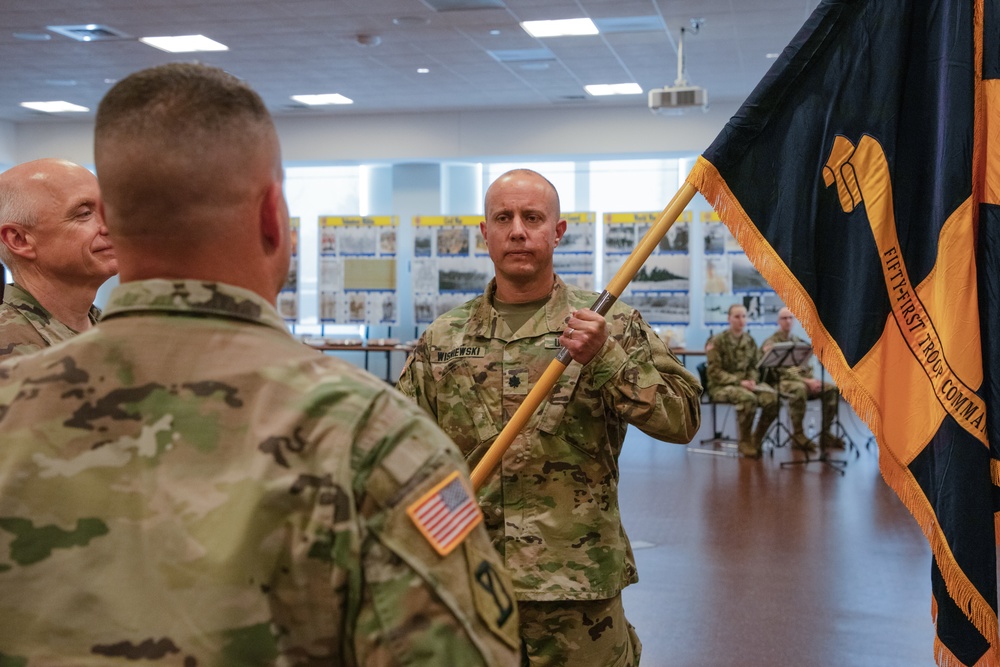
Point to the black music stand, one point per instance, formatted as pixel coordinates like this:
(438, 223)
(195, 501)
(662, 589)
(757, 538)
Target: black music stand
(782, 355)
(823, 455)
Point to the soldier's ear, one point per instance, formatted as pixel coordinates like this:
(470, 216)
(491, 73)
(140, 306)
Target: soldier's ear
(273, 218)
(19, 241)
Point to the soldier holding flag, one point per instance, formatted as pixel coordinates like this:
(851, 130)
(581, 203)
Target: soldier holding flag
(552, 506)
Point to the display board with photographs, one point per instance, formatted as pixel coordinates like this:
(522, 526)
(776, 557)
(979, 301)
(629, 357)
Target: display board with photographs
(731, 278)
(660, 289)
(288, 297)
(573, 259)
(357, 270)
(451, 261)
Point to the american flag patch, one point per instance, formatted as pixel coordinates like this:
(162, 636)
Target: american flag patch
(446, 514)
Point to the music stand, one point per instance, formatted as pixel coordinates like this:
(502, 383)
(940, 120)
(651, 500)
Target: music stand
(824, 456)
(783, 355)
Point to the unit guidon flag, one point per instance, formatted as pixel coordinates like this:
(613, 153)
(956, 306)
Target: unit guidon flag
(862, 178)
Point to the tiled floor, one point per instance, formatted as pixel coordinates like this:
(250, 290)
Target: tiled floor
(746, 563)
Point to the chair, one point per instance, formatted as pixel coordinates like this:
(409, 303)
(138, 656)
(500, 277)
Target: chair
(718, 444)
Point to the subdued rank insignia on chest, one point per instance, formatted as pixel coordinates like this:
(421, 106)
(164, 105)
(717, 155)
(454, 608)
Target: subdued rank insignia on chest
(464, 351)
(446, 514)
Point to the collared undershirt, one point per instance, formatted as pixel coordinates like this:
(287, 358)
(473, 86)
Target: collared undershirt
(516, 314)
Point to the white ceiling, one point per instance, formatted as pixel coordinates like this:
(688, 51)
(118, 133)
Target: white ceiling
(291, 47)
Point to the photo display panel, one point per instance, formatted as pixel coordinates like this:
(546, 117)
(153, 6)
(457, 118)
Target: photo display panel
(357, 270)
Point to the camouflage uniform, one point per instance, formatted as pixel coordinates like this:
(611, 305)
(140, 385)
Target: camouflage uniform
(552, 506)
(794, 390)
(186, 484)
(730, 360)
(25, 325)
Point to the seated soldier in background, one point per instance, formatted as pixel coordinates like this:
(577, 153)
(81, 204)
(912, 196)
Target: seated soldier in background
(188, 483)
(731, 358)
(797, 384)
(53, 240)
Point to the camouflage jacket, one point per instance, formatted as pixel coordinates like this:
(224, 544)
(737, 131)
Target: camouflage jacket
(731, 359)
(800, 372)
(25, 325)
(187, 484)
(552, 505)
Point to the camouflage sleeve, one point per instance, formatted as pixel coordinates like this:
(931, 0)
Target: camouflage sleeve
(417, 381)
(430, 595)
(646, 384)
(753, 369)
(718, 376)
(17, 336)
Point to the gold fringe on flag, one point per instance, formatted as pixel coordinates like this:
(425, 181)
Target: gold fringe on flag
(713, 187)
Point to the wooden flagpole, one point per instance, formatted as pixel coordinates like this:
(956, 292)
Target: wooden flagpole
(491, 459)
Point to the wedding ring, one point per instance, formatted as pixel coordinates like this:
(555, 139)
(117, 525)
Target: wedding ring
(569, 333)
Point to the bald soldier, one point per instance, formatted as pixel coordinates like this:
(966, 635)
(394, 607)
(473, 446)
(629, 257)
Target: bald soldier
(797, 384)
(186, 483)
(733, 377)
(552, 506)
(54, 241)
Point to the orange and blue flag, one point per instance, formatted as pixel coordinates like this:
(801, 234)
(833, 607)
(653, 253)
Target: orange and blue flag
(862, 178)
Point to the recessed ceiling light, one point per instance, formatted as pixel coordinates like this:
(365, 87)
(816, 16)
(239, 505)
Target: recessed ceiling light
(89, 32)
(599, 89)
(184, 43)
(494, 32)
(772, 56)
(560, 28)
(61, 82)
(328, 98)
(53, 107)
(422, 70)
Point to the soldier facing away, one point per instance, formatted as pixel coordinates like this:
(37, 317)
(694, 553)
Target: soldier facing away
(187, 484)
(733, 377)
(54, 241)
(552, 506)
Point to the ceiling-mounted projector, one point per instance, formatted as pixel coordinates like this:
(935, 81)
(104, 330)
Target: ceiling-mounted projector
(672, 100)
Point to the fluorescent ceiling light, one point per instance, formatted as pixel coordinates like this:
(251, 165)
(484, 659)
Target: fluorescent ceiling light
(560, 28)
(598, 89)
(53, 107)
(329, 98)
(184, 43)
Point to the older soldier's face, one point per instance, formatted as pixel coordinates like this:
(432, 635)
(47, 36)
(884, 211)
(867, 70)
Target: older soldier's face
(785, 320)
(522, 228)
(70, 237)
(737, 319)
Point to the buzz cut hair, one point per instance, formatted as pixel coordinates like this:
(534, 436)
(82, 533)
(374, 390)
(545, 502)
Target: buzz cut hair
(177, 99)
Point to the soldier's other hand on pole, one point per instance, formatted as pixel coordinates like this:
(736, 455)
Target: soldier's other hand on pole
(584, 335)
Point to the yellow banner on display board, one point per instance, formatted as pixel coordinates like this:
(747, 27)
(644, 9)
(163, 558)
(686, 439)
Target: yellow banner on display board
(359, 221)
(628, 218)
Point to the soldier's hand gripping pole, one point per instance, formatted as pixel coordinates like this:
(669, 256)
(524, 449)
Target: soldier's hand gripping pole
(491, 459)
